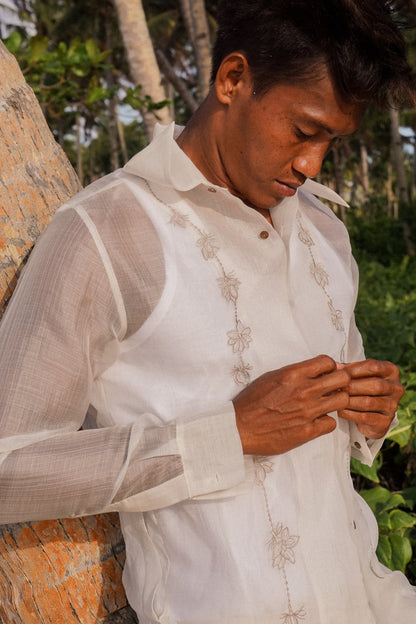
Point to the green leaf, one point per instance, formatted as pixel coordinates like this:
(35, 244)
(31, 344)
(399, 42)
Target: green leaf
(384, 551)
(402, 433)
(409, 496)
(13, 42)
(401, 519)
(369, 472)
(401, 552)
(93, 50)
(37, 47)
(96, 94)
(376, 496)
(384, 523)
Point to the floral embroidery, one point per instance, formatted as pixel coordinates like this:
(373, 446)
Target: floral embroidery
(336, 317)
(319, 274)
(178, 218)
(229, 287)
(208, 247)
(239, 338)
(282, 544)
(241, 374)
(293, 617)
(321, 277)
(262, 467)
(304, 236)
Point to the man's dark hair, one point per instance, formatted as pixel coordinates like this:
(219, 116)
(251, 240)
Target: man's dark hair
(287, 41)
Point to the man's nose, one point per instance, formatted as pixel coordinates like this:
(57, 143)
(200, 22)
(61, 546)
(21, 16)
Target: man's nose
(309, 161)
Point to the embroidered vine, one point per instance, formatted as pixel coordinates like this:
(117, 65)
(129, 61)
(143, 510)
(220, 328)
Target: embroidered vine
(239, 338)
(281, 543)
(321, 277)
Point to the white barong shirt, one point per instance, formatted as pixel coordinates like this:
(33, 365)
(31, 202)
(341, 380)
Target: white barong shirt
(152, 299)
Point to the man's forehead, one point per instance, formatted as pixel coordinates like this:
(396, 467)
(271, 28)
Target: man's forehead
(317, 103)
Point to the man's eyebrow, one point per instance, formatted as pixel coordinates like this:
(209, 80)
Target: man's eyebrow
(323, 126)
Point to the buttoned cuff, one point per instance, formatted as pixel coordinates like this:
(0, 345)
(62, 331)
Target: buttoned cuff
(365, 449)
(211, 451)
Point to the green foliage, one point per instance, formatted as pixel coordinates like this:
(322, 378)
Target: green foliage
(395, 523)
(135, 98)
(386, 317)
(377, 237)
(65, 77)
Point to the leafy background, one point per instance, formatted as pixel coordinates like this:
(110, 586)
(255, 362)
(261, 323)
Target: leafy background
(386, 317)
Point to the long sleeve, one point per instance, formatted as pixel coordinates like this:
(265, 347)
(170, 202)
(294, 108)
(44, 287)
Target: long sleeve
(62, 328)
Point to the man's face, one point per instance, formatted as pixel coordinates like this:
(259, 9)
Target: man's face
(269, 145)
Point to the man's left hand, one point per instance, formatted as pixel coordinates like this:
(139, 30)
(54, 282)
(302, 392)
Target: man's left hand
(375, 391)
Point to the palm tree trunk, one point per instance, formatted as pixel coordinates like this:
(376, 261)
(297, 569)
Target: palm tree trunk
(364, 170)
(397, 156)
(141, 56)
(195, 18)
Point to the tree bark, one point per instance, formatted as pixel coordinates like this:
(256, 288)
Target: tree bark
(364, 170)
(141, 56)
(177, 82)
(35, 175)
(58, 571)
(397, 156)
(195, 18)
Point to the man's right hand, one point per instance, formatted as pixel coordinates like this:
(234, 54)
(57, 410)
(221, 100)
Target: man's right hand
(287, 407)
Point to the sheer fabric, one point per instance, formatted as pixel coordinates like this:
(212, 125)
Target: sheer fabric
(155, 297)
(94, 277)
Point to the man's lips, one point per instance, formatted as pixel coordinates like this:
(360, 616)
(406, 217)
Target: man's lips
(288, 188)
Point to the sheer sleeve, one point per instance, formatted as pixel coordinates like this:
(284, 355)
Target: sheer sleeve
(61, 329)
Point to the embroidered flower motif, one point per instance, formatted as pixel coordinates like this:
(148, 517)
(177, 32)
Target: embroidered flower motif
(304, 236)
(262, 467)
(319, 274)
(241, 374)
(336, 317)
(208, 247)
(282, 544)
(240, 338)
(229, 287)
(293, 617)
(178, 218)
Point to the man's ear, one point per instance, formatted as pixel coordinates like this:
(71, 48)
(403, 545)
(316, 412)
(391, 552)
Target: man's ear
(232, 74)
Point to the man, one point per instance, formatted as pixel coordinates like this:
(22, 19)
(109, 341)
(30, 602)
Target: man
(201, 300)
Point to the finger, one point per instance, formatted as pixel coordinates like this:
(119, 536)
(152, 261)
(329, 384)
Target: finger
(373, 386)
(323, 425)
(376, 404)
(374, 423)
(329, 403)
(331, 382)
(314, 367)
(372, 368)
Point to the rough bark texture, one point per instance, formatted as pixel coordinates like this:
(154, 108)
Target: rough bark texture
(62, 571)
(35, 176)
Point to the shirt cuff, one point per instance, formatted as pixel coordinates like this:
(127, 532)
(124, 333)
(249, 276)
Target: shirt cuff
(365, 449)
(211, 451)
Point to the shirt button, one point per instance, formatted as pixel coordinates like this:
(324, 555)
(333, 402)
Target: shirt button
(211, 189)
(264, 234)
(357, 445)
